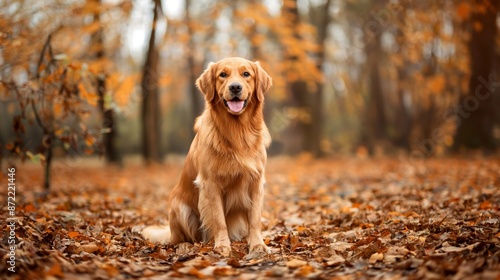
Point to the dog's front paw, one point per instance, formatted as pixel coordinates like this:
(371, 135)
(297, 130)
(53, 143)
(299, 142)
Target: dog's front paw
(223, 250)
(259, 248)
(257, 251)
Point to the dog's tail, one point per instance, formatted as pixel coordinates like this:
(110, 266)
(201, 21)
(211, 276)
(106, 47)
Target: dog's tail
(157, 234)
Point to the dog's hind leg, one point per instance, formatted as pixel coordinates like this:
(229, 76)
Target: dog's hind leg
(184, 224)
(184, 227)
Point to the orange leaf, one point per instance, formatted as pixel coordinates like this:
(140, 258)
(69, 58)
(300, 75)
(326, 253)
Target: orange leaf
(225, 271)
(92, 28)
(29, 208)
(89, 140)
(463, 11)
(91, 98)
(305, 271)
(111, 270)
(485, 205)
(73, 234)
(10, 146)
(58, 110)
(99, 65)
(125, 89)
(301, 229)
(55, 270)
(195, 272)
(437, 84)
(294, 263)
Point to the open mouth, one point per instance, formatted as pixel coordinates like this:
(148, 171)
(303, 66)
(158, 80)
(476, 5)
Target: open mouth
(235, 105)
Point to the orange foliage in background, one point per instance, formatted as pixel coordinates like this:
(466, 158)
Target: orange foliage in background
(415, 54)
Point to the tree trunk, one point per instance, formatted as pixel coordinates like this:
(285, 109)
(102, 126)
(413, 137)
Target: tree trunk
(150, 93)
(196, 97)
(48, 160)
(108, 124)
(296, 133)
(374, 117)
(48, 128)
(2, 145)
(321, 19)
(478, 118)
(377, 97)
(108, 119)
(404, 121)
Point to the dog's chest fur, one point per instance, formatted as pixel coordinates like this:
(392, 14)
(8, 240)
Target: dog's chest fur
(226, 154)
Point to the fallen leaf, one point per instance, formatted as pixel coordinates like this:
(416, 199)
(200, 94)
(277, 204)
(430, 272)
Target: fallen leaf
(111, 270)
(277, 271)
(485, 205)
(225, 271)
(55, 271)
(294, 263)
(192, 271)
(376, 257)
(197, 262)
(341, 247)
(304, 271)
(88, 248)
(335, 260)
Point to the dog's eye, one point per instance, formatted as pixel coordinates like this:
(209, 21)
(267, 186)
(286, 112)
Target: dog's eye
(246, 74)
(223, 75)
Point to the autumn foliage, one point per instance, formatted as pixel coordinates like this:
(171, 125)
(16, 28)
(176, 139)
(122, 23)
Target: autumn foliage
(348, 75)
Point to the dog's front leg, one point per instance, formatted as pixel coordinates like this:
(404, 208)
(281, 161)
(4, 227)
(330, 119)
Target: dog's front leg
(212, 216)
(255, 241)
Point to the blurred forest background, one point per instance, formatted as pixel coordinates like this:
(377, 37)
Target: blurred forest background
(115, 78)
(371, 101)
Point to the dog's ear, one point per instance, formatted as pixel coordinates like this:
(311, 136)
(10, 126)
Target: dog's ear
(206, 83)
(262, 81)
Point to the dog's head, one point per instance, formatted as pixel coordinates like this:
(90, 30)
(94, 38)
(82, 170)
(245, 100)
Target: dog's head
(234, 82)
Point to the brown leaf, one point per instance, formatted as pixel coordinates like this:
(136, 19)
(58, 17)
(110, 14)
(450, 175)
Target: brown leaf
(234, 263)
(341, 247)
(295, 243)
(294, 263)
(88, 248)
(199, 263)
(225, 271)
(111, 270)
(55, 271)
(192, 271)
(304, 271)
(485, 205)
(376, 257)
(335, 260)
(363, 242)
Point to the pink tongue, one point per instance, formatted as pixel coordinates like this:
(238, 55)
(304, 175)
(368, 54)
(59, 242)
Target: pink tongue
(235, 106)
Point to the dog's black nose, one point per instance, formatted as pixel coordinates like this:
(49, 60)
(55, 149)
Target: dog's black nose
(235, 88)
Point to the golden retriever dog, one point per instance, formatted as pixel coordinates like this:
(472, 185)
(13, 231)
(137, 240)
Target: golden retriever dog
(220, 193)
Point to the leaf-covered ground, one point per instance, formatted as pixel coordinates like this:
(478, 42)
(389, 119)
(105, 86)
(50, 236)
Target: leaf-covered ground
(342, 219)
